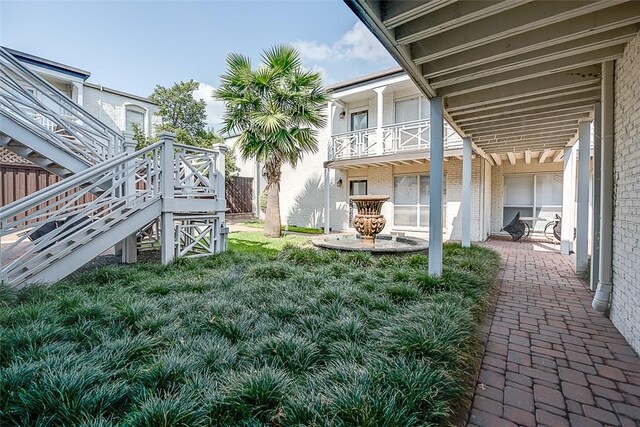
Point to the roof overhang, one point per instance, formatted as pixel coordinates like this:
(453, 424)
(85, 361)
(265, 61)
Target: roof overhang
(516, 75)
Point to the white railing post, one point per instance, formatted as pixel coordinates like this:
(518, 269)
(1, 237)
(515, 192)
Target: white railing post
(167, 235)
(129, 246)
(380, 92)
(221, 149)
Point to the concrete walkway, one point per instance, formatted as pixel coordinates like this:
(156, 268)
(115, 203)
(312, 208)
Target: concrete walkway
(550, 358)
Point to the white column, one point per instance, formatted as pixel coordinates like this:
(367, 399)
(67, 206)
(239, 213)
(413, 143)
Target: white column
(129, 245)
(436, 154)
(595, 199)
(167, 234)
(379, 118)
(605, 281)
(327, 200)
(568, 200)
(582, 216)
(220, 164)
(466, 192)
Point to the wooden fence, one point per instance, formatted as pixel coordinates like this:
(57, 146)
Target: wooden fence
(239, 194)
(20, 180)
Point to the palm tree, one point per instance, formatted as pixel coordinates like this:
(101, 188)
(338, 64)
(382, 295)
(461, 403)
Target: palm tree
(275, 109)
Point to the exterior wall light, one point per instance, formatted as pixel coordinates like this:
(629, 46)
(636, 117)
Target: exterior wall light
(339, 183)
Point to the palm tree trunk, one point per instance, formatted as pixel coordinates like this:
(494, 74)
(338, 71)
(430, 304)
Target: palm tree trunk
(272, 216)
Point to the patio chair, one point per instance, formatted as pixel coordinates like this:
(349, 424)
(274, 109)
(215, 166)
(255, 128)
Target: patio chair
(517, 228)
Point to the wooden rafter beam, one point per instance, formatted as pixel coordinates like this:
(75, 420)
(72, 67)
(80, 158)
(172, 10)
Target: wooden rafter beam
(499, 26)
(561, 65)
(616, 16)
(544, 155)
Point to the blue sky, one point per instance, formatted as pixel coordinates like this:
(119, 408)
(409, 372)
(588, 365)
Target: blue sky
(134, 45)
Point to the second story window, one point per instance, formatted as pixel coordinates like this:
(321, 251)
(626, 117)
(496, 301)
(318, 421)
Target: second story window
(411, 109)
(359, 120)
(134, 116)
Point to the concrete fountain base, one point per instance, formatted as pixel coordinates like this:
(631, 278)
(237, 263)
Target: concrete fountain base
(384, 244)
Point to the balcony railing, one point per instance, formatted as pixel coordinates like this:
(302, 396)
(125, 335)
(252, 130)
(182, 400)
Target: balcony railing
(395, 138)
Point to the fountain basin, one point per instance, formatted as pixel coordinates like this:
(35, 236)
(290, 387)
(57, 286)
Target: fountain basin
(383, 244)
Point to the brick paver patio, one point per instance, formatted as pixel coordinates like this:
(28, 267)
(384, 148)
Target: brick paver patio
(550, 358)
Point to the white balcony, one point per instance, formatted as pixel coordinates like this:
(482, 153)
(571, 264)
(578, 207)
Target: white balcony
(389, 140)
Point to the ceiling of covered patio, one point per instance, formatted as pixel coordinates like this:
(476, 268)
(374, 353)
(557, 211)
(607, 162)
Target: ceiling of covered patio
(517, 76)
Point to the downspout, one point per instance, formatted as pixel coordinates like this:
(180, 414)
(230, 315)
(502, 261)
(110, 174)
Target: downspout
(602, 299)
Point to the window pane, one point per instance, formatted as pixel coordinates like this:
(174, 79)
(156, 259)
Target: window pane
(424, 216)
(405, 216)
(407, 110)
(518, 190)
(360, 120)
(405, 190)
(424, 190)
(425, 108)
(134, 117)
(549, 189)
(358, 188)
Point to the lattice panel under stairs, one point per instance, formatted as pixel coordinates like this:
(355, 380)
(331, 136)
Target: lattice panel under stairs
(196, 235)
(11, 158)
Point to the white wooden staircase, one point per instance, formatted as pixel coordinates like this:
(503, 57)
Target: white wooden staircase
(167, 195)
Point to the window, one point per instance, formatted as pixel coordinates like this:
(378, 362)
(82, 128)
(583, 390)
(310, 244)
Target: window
(412, 109)
(134, 116)
(407, 111)
(538, 196)
(359, 120)
(411, 201)
(357, 187)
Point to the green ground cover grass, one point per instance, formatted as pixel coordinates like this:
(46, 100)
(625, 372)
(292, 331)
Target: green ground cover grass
(256, 336)
(258, 223)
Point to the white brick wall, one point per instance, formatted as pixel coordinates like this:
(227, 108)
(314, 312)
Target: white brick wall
(110, 108)
(625, 310)
(380, 181)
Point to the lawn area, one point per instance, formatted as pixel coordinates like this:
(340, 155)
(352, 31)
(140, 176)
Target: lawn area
(255, 242)
(261, 335)
(258, 223)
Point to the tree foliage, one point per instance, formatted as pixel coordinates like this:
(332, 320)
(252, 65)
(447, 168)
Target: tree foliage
(179, 109)
(275, 109)
(184, 116)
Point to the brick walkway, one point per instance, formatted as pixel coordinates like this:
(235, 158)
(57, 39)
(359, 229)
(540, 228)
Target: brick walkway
(550, 358)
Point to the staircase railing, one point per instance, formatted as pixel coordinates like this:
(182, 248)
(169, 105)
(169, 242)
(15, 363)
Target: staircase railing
(57, 220)
(36, 104)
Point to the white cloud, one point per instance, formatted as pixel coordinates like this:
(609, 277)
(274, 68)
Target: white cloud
(356, 44)
(215, 109)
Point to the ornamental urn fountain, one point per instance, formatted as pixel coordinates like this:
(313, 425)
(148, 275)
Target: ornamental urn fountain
(369, 222)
